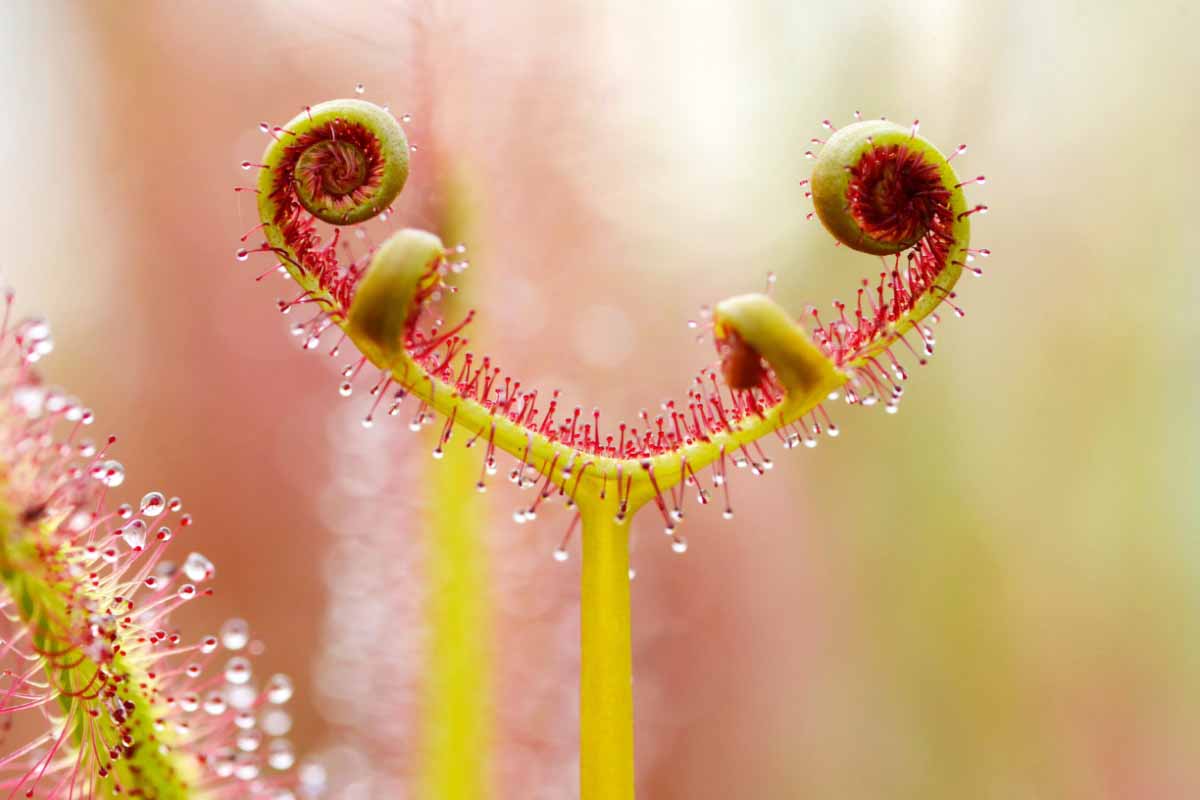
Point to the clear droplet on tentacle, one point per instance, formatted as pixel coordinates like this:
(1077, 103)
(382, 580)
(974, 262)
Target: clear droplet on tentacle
(134, 534)
(235, 634)
(153, 504)
(280, 754)
(237, 671)
(279, 689)
(198, 568)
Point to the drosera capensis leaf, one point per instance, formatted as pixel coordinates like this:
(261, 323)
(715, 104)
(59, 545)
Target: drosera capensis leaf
(877, 187)
(100, 694)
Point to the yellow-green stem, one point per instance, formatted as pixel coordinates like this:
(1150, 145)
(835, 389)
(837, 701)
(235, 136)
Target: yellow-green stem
(457, 720)
(606, 676)
(456, 725)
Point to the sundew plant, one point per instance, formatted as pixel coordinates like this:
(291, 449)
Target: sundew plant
(877, 187)
(101, 696)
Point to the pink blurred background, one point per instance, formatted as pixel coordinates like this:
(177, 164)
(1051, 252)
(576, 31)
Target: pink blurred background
(994, 594)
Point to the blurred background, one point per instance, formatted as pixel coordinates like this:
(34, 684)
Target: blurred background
(993, 594)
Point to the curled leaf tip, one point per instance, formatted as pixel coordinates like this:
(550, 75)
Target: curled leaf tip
(877, 187)
(347, 159)
(404, 271)
(752, 330)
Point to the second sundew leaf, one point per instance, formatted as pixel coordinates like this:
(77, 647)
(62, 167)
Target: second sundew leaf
(117, 702)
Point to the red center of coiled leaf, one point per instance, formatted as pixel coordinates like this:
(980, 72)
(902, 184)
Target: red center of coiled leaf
(895, 195)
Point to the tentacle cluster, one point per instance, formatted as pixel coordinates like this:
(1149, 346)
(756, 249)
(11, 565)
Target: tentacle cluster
(877, 187)
(100, 695)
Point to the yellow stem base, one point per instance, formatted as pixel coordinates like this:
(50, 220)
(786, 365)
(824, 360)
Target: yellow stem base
(606, 676)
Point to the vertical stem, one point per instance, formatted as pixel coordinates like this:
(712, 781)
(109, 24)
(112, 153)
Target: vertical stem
(457, 724)
(606, 674)
(457, 716)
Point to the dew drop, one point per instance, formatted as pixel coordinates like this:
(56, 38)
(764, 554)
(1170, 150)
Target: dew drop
(208, 645)
(406, 118)
(246, 767)
(214, 704)
(345, 390)
(134, 534)
(728, 513)
(237, 670)
(279, 689)
(242, 254)
(248, 740)
(198, 568)
(561, 555)
(222, 762)
(188, 703)
(679, 545)
(235, 633)
(280, 755)
(110, 473)
(153, 504)
(241, 697)
(359, 88)
(313, 777)
(276, 722)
